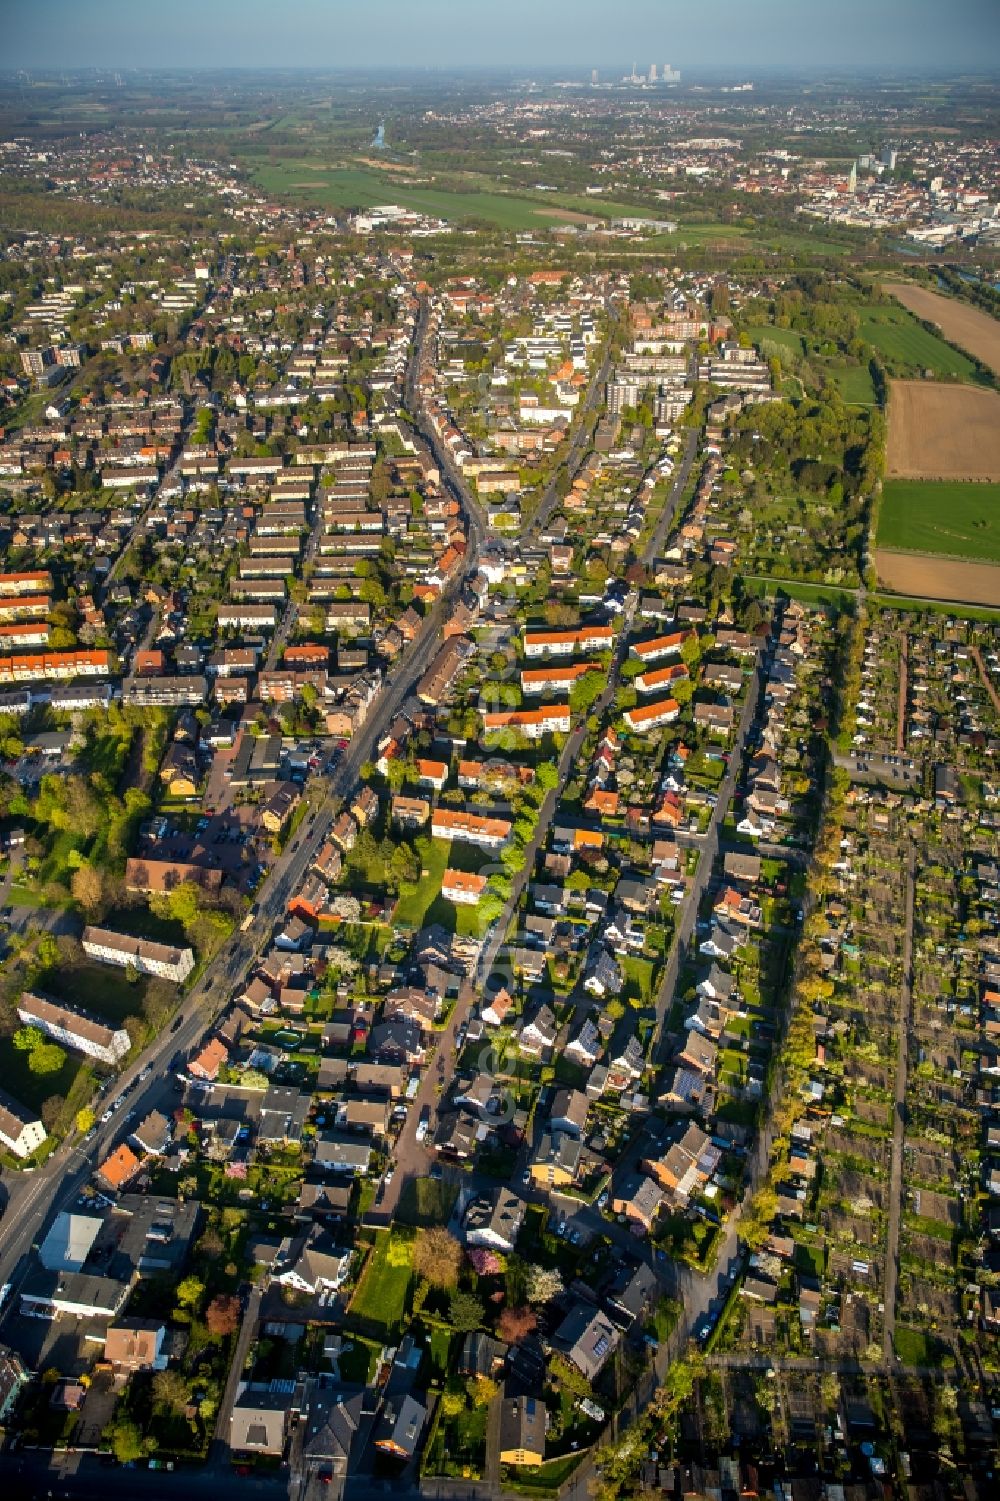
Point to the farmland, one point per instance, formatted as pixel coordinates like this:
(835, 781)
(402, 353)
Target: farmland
(943, 432)
(954, 520)
(968, 327)
(907, 348)
(921, 577)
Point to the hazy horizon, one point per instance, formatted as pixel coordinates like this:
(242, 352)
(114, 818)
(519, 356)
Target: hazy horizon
(548, 35)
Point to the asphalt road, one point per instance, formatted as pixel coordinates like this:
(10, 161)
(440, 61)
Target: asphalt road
(904, 1027)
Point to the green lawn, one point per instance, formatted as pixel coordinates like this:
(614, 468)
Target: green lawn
(898, 336)
(34, 1089)
(547, 1477)
(808, 594)
(96, 988)
(638, 979)
(426, 904)
(912, 1346)
(379, 1302)
(960, 520)
(426, 1201)
(411, 909)
(855, 384)
(766, 333)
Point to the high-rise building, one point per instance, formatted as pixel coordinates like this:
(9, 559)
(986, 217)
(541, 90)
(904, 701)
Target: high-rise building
(670, 75)
(889, 157)
(652, 72)
(852, 179)
(593, 76)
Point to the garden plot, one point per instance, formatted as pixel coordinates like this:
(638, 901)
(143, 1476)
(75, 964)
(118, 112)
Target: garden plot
(853, 1186)
(855, 1271)
(939, 1304)
(864, 1072)
(862, 1148)
(927, 1163)
(852, 1229)
(928, 1248)
(854, 1335)
(934, 1206)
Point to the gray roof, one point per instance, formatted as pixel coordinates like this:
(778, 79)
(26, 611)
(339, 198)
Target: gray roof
(523, 1424)
(258, 1421)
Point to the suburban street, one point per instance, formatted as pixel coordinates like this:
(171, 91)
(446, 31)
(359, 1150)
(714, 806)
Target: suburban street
(904, 1022)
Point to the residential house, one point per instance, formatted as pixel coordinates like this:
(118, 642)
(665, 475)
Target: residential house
(639, 1199)
(258, 1423)
(587, 1338)
(400, 1426)
(523, 1422)
(21, 1131)
(494, 1219)
(556, 1163)
(74, 1028)
(136, 1345)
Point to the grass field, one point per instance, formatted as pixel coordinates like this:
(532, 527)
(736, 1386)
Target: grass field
(766, 333)
(933, 607)
(106, 992)
(361, 187)
(855, 384)
(807, 594)
(380, 1299)
(426, 904)
(957, 520)
(899, 338)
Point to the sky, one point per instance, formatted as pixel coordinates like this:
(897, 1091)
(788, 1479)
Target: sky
(813, 35)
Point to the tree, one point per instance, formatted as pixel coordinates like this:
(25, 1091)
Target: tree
(52, 1109)
(127, 1442)
(437, 1256)
(482, 1391)
(190, 1292)
(222, 1315)
(87, 887)
(544, 1284)
(466, 1312)
(211, 1245)
(170, 1389)
(452, 1403)
(85, 1119)
(27, 1039)
(47, 1058)
(516, 1324)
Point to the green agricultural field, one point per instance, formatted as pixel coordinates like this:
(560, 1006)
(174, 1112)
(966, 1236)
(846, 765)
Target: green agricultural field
(958, 520)
(906, 346)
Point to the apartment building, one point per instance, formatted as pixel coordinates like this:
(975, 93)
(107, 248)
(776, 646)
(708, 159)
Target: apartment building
(159, 959)
(588, 638)
(74, 1028)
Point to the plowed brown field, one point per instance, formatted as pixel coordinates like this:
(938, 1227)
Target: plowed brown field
(968, 327)
(939, 578)
(939, 431)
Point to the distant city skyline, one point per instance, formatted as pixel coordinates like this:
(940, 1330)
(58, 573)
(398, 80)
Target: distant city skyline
(575, 35)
